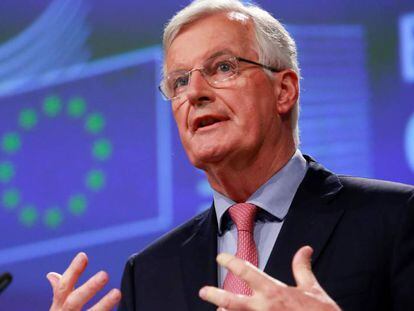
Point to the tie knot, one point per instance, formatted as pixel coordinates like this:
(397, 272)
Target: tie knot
(243, 215)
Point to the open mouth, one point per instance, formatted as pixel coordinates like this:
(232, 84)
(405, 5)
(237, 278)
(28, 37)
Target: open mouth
(205, 122)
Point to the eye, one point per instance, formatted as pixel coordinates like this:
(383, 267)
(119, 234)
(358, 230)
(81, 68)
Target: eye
(180, 81)
(224, 67)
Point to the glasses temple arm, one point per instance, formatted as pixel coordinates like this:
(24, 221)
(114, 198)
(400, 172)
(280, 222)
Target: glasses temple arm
(240, 59)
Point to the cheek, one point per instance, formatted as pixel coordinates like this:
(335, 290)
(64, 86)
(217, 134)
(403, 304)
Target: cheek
(255, 87)
(180, 116)
(242, 83)
(251, 102)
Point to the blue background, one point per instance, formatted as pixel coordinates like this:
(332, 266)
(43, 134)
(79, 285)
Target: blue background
(357, 60)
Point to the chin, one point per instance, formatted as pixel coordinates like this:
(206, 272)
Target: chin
(203, 157)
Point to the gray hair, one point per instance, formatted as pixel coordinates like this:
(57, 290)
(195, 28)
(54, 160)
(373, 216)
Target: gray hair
(276, 47)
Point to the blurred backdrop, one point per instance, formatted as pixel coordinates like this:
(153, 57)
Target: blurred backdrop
(89, 154)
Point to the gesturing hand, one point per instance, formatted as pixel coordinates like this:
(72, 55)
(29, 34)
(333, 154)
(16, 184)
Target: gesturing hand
(270, 294)
(66, 297)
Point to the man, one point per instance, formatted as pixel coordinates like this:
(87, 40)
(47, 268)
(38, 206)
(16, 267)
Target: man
(232, 77)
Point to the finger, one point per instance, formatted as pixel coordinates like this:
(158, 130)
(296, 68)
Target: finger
(256, 279)
(302, 268)
(108, 302)
(53, 279)
(224, 299)
(70, 276)
(84, 293)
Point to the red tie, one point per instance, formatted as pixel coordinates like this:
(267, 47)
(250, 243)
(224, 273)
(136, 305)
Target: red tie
(243, 215)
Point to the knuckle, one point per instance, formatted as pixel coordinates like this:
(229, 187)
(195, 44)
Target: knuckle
(61, 291)
(92, 286)
(269, 290)
(69, 305)
(96, 282)
(242, 269)
(225, 301)
(62, 287)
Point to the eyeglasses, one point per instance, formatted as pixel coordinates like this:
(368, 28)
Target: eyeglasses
(218, 71)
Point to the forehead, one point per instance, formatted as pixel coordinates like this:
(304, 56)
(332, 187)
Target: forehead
(199, 40)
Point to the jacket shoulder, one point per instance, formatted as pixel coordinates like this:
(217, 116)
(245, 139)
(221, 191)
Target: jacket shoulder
(383, 204)
(365, 195)
(376, 187)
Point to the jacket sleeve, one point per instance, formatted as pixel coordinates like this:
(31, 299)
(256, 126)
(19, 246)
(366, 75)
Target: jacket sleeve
(128, 287)
(402, 267)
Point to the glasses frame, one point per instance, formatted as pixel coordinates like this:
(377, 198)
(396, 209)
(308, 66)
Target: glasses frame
(202, 71)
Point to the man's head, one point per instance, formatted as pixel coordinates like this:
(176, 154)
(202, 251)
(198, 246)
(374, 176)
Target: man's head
(257, 108)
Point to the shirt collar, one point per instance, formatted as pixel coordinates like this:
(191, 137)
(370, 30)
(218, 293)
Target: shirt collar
(275, 196)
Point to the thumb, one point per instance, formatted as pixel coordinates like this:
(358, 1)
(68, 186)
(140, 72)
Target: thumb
(53, 279)
(302, 269)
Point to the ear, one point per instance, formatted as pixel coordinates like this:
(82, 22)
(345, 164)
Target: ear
(286, 90)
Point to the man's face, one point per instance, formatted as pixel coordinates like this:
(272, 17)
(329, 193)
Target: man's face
(234, 123)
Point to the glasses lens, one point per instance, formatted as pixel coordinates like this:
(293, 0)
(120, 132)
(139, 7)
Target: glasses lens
(220, 69)
(216, 71)
(176, 83)
(163, 92)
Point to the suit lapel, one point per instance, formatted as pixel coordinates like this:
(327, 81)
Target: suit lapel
(198, 260)
(310, 221)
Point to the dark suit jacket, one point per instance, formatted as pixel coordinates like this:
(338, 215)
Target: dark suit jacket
(362, 232)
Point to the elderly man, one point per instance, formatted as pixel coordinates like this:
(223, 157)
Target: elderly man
(232, 77)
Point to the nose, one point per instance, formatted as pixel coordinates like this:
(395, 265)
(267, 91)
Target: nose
(198, 90)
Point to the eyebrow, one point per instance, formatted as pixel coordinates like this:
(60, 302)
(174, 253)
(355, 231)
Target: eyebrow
(214, 55)
(219, 53)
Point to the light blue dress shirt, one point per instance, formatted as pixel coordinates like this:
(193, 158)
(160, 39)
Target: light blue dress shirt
(275, 197)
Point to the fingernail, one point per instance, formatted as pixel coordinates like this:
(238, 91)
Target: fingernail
(78, 258)
(49, 277)
(115, 293)
(52, 276)
(223, 258)
(81, 258)
(203, 292)
(102, 276)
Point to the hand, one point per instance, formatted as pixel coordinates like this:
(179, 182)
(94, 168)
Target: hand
(67, 298)
(270, 294)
